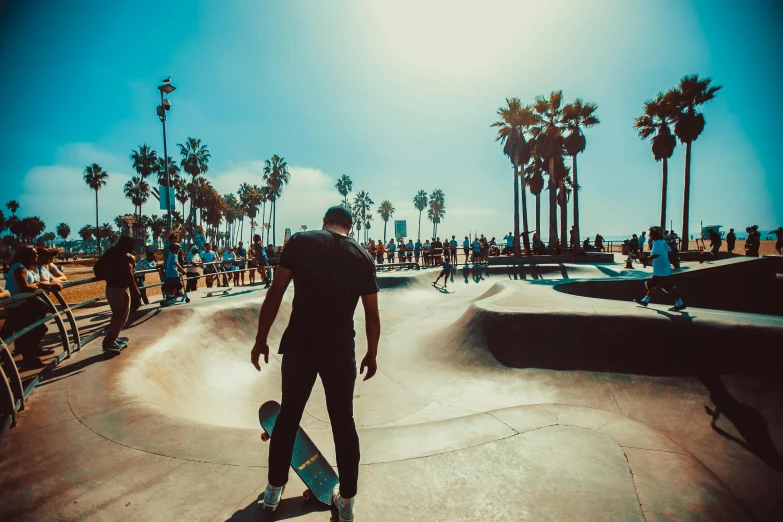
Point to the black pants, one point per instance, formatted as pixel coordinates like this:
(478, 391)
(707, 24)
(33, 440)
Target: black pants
(191, 284)
(338, 374)
(142, 291)
(32, 309)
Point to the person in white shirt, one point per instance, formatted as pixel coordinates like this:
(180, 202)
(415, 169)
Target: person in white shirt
(145, 263)
(194, 262)
(662, 270)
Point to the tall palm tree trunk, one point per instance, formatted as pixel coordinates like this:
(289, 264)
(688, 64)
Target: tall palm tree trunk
(384, 230)
(538, 212)
(686, 198)
(274, 222)
(516, 211)
(564, 223)
(664, 188)
(576, 209)
(419, 236)
(142, 235)
(97, 229)
(552, 205)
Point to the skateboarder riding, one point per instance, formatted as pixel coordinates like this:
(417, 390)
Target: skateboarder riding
(330, 273)
(662, 271)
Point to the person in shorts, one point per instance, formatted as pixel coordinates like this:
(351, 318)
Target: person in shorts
(409, 250)
(437, 252)
(778, 239)
(447, 270)
(241, 253)
(417, 250)
(476, 251)
(466, 249)
(390, 250)
(208, 257)
(191, 267)
(426, 251)
(453, 248)
(662, 270)
(379, 250)
(173, 272)
(446, 251)
(252, 264)
(145, 263)
(262, 259)
(401, 251)
(229, 258)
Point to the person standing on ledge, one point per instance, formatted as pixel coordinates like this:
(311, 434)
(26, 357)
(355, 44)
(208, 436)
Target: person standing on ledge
(731, 238)
(330, 273)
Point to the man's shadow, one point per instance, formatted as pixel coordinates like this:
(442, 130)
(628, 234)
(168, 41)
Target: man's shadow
(750, 424)
(287, 509)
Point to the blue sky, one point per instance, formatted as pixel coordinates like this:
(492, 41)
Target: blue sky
(398, 95)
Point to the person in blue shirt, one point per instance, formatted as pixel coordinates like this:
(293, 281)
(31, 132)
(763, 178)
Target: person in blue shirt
(453, 248)
(409, 250)
(229, 267)
(417, 250)
(241, 253)
(173, 271)
(209, 256)
(446, 271)
(466, 249)
(476, 251)
(391, 249)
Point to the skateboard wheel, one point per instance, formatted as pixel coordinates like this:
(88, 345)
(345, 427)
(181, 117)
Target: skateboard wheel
(187, 299)
(307, 494)
(265, 437)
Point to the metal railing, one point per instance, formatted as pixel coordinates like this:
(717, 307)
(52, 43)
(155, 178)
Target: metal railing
(12, 390)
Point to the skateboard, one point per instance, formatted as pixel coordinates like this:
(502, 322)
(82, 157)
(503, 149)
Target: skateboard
(221, 292)
(108, 353)
(306, 460)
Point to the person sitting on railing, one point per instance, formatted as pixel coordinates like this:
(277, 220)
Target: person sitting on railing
(145, 263)
(122, 293)
(193, 264)
(22, 279)
(47, 270)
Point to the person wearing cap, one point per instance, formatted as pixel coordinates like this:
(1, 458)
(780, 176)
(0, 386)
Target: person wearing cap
(192, 264)
(662, 270)
(47, 270)
(331, 272)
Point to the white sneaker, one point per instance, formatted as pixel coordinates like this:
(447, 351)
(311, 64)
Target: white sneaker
(344, 505)
(272, 496)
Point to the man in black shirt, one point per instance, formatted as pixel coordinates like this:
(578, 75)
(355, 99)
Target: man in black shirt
(122, 293)
(330, 273)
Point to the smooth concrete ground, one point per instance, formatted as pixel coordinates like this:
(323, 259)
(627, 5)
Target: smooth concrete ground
(168, 430)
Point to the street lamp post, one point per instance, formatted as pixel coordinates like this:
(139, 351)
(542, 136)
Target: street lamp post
(166, 88)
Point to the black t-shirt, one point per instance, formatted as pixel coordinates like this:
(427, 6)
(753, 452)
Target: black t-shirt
(330, 273)
(118, 269)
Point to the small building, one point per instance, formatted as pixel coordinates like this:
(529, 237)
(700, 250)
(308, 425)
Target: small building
(705, 231)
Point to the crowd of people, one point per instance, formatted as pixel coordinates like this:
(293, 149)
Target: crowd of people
(30, 269)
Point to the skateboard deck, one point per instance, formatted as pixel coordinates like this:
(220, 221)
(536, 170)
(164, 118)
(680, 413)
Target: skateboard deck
(108, 353)
(306, 460)
(175, 301)
(221, 292)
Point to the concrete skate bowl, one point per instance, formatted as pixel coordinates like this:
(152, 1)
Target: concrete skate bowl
(751, 285)
(445, 403)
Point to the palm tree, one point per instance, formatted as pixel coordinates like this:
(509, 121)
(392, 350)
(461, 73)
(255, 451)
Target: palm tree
(137, 190)
(534, 178)
(564, 191)
(344, 186)
(145, 162)
(173, 172)
(3, 222)
(276, 175)
(362, 206)
(577, 116)
(654, 122)
(96, 177)
(31, 227)
(515, 120)
(195, 161)
(420, 201)
(385, 210)
(86, 233)
(63, 230)
(437, 209)
(549, 144)
(13, 206)
(158, 226)
(266, 197)
(685, 100)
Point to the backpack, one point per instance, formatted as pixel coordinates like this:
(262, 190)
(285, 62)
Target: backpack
(99, 269)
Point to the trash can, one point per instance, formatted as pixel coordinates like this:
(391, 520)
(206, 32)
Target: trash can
(626, 248)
